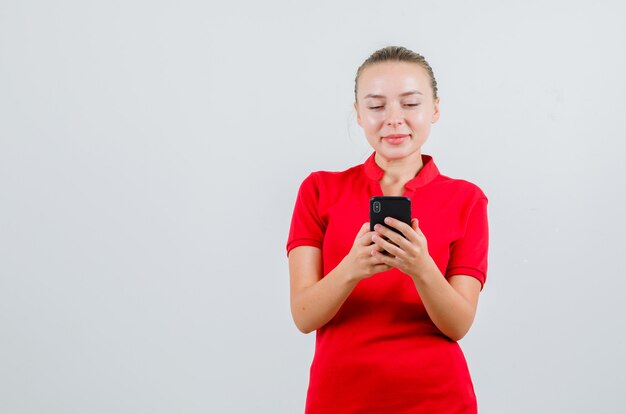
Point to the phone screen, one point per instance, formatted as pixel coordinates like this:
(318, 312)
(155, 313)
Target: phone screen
(389, 206)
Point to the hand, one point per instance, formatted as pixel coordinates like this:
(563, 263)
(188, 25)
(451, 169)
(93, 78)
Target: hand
(360, 263)
(409, 254)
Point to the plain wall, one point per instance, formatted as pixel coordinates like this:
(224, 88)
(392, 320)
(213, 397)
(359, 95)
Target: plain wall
(150, 155)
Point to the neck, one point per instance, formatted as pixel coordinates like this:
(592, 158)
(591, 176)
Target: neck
(402, 170)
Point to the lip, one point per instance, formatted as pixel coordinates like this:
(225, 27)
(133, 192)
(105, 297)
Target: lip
(396, 139)
(396, 136)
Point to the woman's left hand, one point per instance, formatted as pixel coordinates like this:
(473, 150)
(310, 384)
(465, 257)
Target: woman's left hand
(409, 254)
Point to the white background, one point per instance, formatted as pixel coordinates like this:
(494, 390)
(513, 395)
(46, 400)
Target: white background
(150, 155)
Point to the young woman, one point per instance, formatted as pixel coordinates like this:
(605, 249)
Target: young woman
(389, 308)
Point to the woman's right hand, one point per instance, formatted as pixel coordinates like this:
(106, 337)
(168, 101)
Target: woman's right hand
(315, 299)
(360, 263)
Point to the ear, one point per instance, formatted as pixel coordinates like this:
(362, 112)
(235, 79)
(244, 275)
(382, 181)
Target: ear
(358, 116)
(436, 113)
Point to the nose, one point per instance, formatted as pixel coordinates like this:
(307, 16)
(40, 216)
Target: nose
(395, 116)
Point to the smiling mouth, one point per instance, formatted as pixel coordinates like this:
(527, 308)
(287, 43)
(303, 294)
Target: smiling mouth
(396, 139)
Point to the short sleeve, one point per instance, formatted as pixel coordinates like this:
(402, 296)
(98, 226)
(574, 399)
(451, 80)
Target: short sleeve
(468, 254)
(307, 228)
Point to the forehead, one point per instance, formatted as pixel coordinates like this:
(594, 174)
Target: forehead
(393, 78)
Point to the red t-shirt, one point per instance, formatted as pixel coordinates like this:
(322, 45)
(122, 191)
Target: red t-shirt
(381, 353)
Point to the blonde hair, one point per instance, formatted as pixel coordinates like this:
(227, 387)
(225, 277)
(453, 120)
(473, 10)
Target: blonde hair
(396, 54)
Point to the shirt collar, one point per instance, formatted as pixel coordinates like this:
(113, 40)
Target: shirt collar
(424, 176)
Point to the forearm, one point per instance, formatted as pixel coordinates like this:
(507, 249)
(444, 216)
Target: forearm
(317, 304)
(452, 313)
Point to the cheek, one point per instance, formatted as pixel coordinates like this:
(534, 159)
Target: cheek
(371, 121)
(419, 120)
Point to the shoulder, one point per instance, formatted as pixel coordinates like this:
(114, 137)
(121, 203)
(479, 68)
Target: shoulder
(463, 193)
(327, 180)
(463, 185)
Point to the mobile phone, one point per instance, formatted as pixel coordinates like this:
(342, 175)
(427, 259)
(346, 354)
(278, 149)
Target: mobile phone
(389, 206)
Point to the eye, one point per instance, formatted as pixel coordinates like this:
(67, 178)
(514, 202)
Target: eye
(375, 107)
(412, 104)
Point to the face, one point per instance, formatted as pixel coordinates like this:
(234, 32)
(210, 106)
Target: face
(395, 108)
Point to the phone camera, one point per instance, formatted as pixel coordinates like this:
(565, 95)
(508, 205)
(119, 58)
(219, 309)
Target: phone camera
(376, 207)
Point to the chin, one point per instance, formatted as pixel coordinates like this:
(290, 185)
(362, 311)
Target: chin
(396, 153)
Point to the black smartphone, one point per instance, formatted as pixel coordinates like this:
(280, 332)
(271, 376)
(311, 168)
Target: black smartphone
(389, 206)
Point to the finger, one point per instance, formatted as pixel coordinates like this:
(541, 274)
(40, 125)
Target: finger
(362, 232)
(418, 234)
(365, 239)
(388, 246)
(364, 229)
(375, 248)
(399, 225)
(376, 259)
(409, 232)
(384, 258)
(415, 226)
(381, 268)
(395, 237)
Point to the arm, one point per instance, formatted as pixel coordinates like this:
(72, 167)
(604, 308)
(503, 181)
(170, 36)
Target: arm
(315, 299)
(451, 304)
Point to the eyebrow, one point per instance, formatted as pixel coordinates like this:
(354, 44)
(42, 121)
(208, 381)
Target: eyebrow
(371, 95)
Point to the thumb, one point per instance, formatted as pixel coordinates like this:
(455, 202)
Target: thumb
(415, 225)
(416, 228)
(363, 230)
